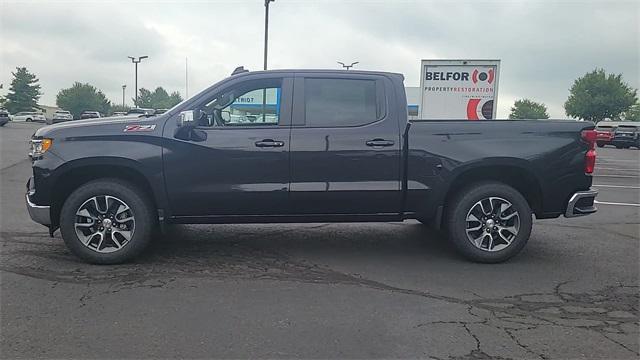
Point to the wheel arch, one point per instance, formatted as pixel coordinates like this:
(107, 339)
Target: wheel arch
(513, 172)
(78, 172)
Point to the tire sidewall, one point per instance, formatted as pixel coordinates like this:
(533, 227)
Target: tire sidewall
(133, 197)
(457, 221)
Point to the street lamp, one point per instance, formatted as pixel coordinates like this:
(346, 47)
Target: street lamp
(347, 66)
(266, 29)
(123, 87)
(133, 60)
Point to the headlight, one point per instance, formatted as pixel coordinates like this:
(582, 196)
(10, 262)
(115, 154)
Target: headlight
(39, 147)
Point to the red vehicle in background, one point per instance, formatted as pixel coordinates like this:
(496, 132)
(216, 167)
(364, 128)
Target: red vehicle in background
(604, 134)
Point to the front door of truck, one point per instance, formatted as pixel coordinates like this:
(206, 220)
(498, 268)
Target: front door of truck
(345, 146)
(237, 161)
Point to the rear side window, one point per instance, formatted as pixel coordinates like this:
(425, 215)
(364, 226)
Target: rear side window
(340, 102)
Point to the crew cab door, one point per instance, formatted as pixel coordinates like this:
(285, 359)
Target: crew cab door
(345, 145)
(237, 160)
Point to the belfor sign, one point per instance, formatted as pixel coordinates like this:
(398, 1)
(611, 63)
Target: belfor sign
(459, 89)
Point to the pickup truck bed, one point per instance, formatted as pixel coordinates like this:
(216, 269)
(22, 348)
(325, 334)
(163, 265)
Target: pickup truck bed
(543, 159)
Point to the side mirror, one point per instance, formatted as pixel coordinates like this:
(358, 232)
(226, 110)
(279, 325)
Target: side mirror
(188, 119)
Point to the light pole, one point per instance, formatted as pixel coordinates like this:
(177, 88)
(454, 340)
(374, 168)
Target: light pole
(347, 66)
(133, 60)
(123, 87)
(266, 30)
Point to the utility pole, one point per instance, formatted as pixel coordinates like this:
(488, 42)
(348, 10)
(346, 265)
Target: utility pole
(347, 66)
(266, 30)
(123, 87)
(136, 62)
(186, 77)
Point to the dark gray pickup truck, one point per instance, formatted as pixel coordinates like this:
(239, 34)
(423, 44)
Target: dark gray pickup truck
(306, 146)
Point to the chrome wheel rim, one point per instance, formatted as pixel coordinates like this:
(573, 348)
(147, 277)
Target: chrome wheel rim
(492, 224)
(105, 224)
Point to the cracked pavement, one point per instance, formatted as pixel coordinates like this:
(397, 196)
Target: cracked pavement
(387, 290)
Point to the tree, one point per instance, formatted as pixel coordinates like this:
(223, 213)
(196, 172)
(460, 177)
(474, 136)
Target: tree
(81, 97)
(24, 91)
(633, 114)
(597, 96)
(528, 109)
(158, 99)
(174, 99)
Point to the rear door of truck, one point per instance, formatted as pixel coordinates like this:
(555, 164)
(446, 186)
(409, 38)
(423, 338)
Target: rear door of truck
(345, 145)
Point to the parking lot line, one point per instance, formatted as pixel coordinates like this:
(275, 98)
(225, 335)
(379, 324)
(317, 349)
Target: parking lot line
(613, 169)
(617, 186)
(614, 159)
(615, 203)
(618, 176)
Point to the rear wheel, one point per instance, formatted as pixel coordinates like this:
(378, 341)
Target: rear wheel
(489, 222)
(28, 120)
(106, 221)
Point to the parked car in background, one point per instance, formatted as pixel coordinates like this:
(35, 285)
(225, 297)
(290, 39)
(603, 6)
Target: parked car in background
(90, 115)
(119, 113)
(160, 111)
(29, 116)
(141, 112)
(626, 135)
(60, 116)
(604, 134)
(4, 117)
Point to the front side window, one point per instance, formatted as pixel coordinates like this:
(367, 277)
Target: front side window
(340, 102)
(256, 103)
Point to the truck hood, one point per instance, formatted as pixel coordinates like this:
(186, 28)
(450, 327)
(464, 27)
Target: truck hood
(99, 126)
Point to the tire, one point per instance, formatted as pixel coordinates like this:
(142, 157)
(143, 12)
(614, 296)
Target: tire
(465, 206)
(618, 147)
(110, 194)
(28, 120)
(600, 145)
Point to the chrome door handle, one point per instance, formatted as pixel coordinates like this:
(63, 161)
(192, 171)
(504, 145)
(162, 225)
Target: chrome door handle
(269, 143)
(380, 142)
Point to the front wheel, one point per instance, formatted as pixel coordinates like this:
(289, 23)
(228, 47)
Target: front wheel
(489, 222)
(106, 221)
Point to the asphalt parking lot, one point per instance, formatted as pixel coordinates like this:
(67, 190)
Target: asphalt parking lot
(388, 290)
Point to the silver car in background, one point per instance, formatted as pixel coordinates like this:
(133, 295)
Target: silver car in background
(60, 116)
(29, 116)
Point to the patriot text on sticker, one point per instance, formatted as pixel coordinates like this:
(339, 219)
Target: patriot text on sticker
(131, 128)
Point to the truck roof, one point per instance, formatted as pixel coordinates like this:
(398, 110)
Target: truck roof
(319, 71)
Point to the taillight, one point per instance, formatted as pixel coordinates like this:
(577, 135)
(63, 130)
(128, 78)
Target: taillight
(590, 136)
(590, 161)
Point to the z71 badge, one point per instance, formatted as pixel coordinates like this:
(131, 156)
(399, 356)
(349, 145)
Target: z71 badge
(131, 128)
